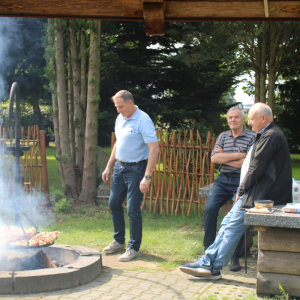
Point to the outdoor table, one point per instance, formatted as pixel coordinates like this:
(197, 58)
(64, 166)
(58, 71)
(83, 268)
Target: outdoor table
(278, 261)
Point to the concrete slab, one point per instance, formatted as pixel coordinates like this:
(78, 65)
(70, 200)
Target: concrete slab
(6, 282)
(84, 250)
(62, 253)
(89, 267)
(82, 266)
(43, 280)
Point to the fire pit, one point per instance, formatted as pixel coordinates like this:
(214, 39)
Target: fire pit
(81, 265)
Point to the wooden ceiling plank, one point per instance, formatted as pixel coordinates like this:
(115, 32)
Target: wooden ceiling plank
(231, 10)
(154, 17)
(175, 10)
(288, 9)
(76, 8)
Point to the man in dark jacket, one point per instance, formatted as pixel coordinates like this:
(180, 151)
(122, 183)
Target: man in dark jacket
(266, 174)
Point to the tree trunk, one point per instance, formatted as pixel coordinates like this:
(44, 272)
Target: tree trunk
(263, 61)
(257, 86)
(272, 61)
(216, 126)
(78, 110)
(256, 65)
(69, 174)
(71, 109)
(83, 69)
(53, 89)
(89, 189)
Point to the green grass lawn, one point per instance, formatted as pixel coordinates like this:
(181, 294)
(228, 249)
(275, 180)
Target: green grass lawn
(52, 167)
(295, 158)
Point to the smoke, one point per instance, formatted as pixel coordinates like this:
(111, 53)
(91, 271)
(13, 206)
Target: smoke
(20, 48)
(8, 44)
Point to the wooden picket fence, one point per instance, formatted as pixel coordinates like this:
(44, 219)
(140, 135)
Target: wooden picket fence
(182, 168)
(34, 175)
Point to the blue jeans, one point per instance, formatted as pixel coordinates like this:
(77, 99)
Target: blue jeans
(126, 181)
(232, 228)
(224, 188)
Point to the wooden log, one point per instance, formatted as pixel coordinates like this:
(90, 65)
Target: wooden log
(268, 284)
(279, 239)
(278, 262)
(44, 260)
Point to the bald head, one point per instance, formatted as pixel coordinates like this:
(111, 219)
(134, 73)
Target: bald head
(262, 109)
(260, 115)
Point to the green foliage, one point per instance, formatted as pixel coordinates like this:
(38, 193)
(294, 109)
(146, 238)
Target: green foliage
(61, 158)
(56, 194)
(28, 116)
(284, 294)
(175, 90)
(287, 110)
(97, 99)
(24, 58)
(63, 206)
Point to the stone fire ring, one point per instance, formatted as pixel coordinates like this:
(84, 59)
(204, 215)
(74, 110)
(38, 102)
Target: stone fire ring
(82, 265)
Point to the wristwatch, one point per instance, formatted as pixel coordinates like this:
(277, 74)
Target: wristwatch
(147, 177)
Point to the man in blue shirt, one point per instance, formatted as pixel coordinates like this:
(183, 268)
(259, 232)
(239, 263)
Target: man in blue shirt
(135, 155)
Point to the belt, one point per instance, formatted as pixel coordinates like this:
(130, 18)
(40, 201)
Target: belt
(130, 163)
(233, 175)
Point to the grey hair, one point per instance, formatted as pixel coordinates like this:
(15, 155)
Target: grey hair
(234, 108)
(262, 109)
(125, 95)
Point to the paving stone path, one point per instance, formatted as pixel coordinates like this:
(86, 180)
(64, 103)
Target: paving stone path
(144, 283)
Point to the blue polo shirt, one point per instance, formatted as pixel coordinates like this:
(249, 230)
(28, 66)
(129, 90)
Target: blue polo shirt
(133, 135)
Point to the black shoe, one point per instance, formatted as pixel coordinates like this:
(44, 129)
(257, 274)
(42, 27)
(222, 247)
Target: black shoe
(235, 264)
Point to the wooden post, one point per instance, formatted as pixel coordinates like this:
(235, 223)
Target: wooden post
(212, 166)
(44, 164)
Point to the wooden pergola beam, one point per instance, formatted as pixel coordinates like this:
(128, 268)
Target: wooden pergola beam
(153, 12)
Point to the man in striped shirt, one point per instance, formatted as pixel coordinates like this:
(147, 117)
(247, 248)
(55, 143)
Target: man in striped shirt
(230, 151)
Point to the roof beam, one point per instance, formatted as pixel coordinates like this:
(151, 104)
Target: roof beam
(154, 16)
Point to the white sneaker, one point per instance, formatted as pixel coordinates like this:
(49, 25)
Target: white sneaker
(114, 247)
(129, 255)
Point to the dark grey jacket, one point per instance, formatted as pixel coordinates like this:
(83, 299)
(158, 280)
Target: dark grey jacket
(269, 176)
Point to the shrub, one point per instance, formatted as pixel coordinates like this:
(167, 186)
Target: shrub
(63, 206)
(56, 194)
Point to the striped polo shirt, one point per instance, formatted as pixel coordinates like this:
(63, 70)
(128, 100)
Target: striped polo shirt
(229, 144)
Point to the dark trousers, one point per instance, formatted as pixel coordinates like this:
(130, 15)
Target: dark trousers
(223, 189)
(126, 181)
